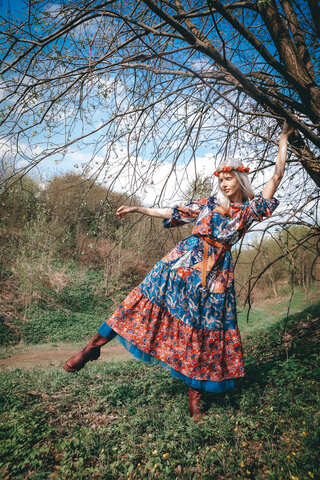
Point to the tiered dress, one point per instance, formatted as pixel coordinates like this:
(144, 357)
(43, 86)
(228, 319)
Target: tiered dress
(183, 314)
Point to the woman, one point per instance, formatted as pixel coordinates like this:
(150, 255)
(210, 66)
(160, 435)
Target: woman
(183, 314)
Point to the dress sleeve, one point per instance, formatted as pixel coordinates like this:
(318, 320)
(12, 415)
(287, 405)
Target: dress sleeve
(260, 207)
(184, 214)
(255, 210)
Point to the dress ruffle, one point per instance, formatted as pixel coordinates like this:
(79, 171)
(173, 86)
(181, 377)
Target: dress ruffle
(207, 385)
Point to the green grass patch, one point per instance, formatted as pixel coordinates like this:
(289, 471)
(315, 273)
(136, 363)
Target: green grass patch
(77, 311)
(263, 316)
(70, 314)
(45, 326)
(130, 421)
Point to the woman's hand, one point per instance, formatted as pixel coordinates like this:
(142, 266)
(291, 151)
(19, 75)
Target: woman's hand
(287, 129)
(124, 209)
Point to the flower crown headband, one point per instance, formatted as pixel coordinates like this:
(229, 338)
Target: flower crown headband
(229, 168)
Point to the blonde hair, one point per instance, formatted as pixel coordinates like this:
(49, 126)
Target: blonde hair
(243, 179)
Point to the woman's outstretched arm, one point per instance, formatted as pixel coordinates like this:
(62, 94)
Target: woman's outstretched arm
(274, 182)
(152, 212)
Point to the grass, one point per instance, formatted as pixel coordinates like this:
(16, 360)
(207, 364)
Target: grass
(58, 326)
(130, 421)
(263, 315)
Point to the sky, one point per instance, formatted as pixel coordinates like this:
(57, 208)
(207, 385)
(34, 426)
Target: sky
(135, 177)
(77, 157)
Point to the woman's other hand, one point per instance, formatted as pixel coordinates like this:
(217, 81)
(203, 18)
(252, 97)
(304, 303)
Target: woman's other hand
(152, 212)
(287, 129)
(271, 186)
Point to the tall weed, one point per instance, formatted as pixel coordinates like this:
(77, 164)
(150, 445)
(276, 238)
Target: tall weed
(34, 265)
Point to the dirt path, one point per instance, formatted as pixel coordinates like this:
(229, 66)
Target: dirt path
(48, 355)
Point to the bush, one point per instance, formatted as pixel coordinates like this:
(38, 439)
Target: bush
(7, 335)
(83, 206)
(19, 203)
(34, 265)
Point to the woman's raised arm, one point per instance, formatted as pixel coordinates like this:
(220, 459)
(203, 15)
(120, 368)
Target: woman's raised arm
(274, 182)
(152, 212)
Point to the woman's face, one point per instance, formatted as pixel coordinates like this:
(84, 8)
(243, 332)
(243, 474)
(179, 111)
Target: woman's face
(230, 186)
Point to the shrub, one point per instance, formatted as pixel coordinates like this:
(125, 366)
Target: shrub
(82, 206)
(8, 335)
(19, 202)
(34, 265)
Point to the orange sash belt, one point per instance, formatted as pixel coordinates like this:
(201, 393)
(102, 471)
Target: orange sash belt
(206, 242)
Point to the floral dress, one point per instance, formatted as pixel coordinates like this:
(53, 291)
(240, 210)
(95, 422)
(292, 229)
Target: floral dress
(183, 314)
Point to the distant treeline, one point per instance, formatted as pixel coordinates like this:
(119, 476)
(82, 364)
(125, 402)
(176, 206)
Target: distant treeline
(73, 217)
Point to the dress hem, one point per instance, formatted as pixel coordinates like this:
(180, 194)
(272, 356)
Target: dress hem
(207, 385)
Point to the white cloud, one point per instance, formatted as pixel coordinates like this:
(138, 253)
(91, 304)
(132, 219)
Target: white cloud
(152, 183)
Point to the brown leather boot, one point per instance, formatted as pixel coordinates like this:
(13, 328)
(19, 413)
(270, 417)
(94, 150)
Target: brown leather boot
(88, 353)
(195, 405)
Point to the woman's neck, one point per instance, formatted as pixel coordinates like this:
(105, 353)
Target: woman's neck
(236, 198)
